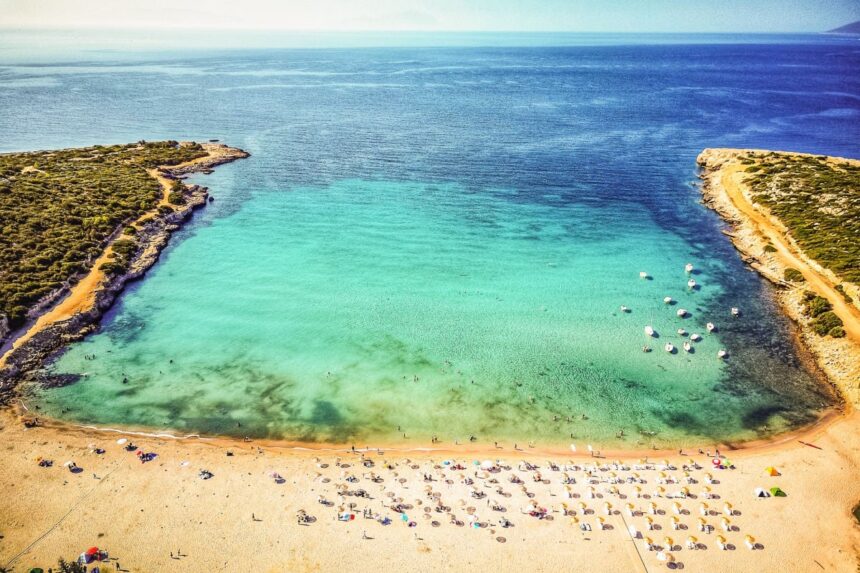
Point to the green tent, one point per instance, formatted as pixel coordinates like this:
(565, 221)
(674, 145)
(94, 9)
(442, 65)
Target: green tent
(776, 492)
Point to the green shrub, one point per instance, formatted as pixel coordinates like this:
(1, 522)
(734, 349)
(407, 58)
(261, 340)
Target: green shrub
(114, 267)
(837, 332)
(176, 198)
(793, 275)
(825, 322)
(768, 248)
(814, 305)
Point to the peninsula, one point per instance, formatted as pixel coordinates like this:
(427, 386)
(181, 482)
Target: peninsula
(796, 219)
(78, 224)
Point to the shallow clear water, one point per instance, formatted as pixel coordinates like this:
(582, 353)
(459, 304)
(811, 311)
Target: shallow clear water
(437, 241)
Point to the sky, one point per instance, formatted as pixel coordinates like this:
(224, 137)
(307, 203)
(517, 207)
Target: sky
(437, 15)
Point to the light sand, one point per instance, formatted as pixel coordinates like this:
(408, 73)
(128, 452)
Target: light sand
(143, 512)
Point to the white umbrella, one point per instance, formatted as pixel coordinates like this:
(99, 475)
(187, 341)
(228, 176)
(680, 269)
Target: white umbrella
(121, 441)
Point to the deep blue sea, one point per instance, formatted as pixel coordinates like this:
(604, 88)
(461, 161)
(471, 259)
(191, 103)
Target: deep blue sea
(434, 234)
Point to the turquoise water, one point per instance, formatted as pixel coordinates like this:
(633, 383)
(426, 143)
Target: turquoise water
(437, 241)
(348, 311)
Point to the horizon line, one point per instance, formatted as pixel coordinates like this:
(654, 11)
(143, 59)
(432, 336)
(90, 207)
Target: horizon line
(395, 31)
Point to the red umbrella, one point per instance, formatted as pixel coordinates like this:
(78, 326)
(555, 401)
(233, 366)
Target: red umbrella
(92, 551)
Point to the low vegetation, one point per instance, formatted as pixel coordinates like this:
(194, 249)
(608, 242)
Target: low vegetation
(818, 200)
(58, 209)
(793, 275)
(824, 320)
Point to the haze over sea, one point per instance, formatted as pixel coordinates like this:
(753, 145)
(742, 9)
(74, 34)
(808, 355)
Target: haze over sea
(437, 240)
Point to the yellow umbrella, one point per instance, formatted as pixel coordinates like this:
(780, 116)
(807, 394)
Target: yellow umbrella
(669, 542)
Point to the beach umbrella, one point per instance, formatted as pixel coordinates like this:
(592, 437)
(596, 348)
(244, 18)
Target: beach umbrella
(488, 464)
(776, 492)
(692, 541)
(121, 441)
(771, 471)
(667, 557)
(69, 464)
(669, 542)
(573, 447)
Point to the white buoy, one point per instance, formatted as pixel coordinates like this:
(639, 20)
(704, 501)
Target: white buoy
(668, 300)
(688, 268)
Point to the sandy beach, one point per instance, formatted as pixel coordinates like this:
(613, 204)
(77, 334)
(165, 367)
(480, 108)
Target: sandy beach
(141, 513)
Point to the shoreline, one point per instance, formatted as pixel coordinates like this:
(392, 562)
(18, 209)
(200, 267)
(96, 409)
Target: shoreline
(80, 310)
(807, 432)
(751, 230)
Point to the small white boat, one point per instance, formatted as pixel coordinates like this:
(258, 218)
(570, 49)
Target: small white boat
(682, 312)
(736, 311)
(669, 347)
(722, 354)
(668, 300)
(649, 331)
(624, 308)
(691, 283)
(688, 347)
(682, 332)
(643, 275)
(710, 326)
(695, 337)
(688, 268)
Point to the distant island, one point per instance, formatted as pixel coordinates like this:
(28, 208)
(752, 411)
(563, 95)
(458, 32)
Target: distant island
(852, 28)
(77, 224)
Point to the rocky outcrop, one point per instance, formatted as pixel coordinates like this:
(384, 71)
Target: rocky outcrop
(25, 362)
